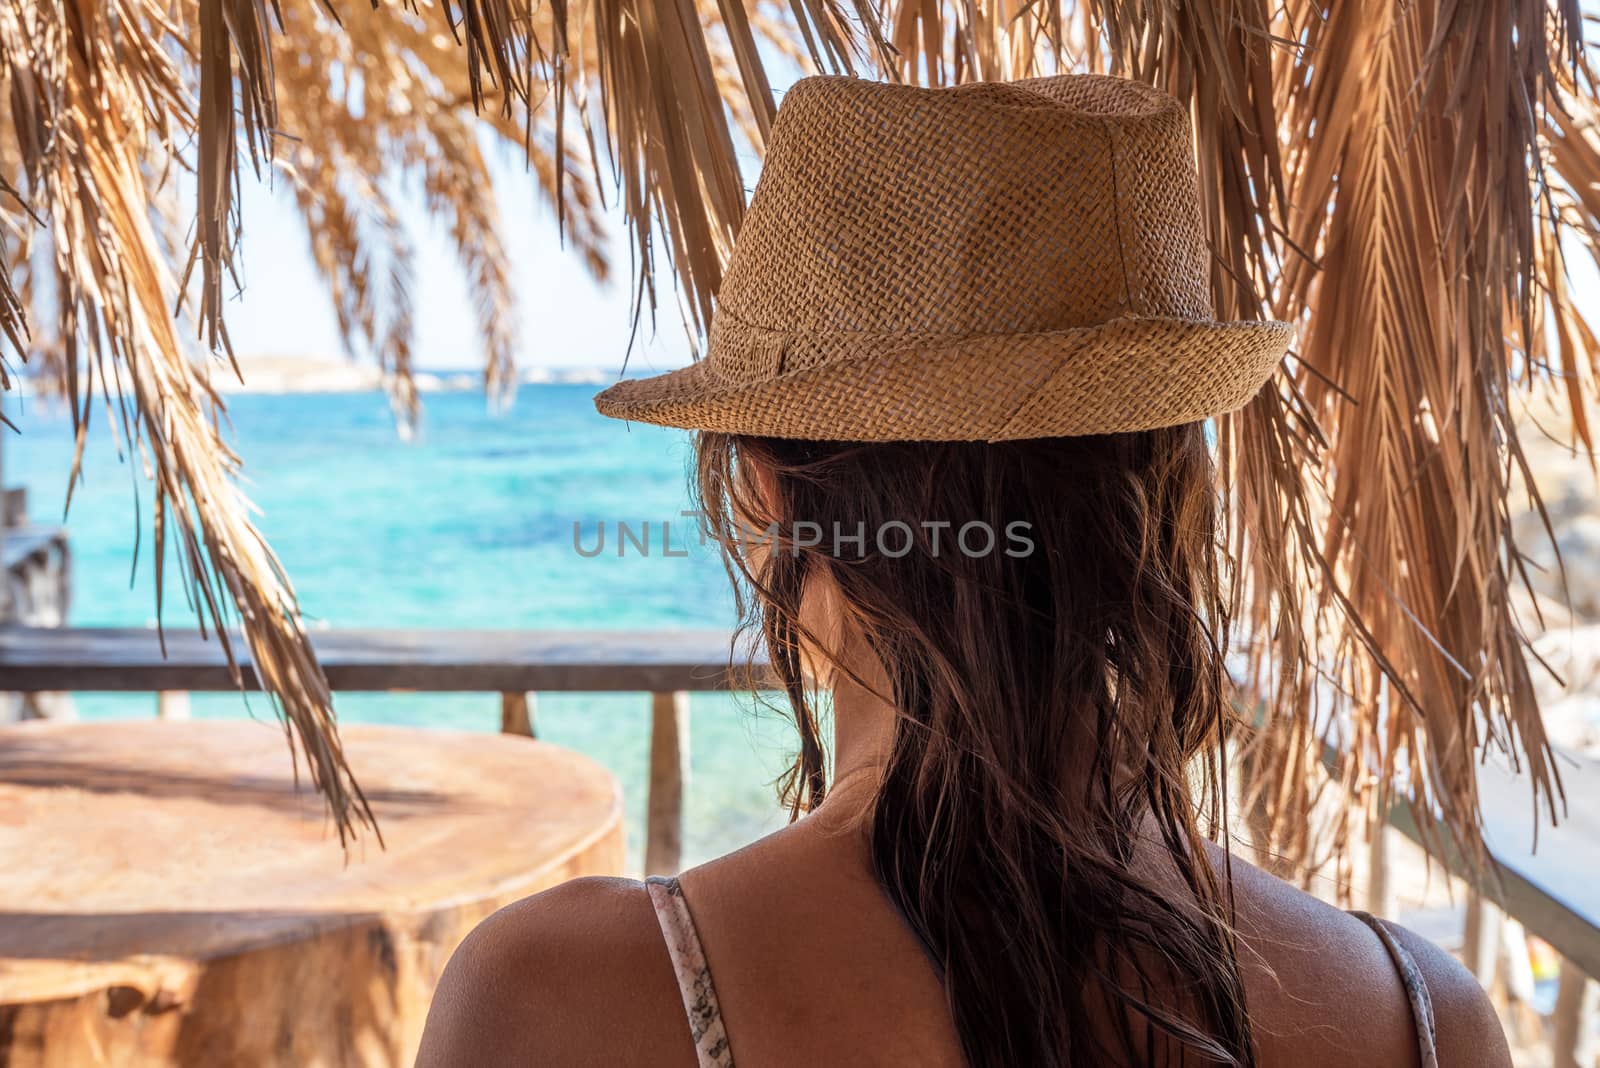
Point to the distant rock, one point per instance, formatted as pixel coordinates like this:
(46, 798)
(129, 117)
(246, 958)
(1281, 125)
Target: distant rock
(1568, 589)
(581, 376)
(1570, 491)
(296, 374)
(1573, 723)
(567, 376)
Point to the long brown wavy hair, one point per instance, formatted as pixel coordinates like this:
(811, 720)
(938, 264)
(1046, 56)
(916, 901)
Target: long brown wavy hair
(1059, 703)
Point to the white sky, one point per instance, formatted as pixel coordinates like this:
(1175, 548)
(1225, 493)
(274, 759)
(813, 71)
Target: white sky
(568, 320)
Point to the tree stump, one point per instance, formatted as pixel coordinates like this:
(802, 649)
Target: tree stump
(169, 896)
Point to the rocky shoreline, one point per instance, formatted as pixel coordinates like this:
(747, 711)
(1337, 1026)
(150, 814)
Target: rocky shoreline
(1568, 587)
(311, 374)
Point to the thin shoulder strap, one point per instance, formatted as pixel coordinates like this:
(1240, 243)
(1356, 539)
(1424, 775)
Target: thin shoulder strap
(694, 975)
(1412, 979)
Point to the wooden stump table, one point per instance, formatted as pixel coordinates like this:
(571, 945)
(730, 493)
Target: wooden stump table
(169, 896)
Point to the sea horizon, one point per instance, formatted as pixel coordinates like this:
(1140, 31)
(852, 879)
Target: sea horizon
(295, 374)
(468, 525)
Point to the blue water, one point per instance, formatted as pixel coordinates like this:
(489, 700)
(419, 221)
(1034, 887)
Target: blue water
(469, 525)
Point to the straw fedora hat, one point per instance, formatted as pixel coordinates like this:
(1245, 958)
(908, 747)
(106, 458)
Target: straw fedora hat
(980, 263)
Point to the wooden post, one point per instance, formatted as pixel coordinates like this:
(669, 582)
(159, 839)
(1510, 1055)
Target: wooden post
(1576, 1002)
(1381, 898)
(5, 502)
(172, 704)
(517, 714)
(669, 770)
(1516, 976)
(1480, 939)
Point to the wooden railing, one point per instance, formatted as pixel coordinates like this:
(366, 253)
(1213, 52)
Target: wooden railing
(1542, 879)
(668, 665)
(1545, 881)
(1554, 892)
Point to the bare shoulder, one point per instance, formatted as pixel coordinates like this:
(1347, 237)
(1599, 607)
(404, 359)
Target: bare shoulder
(576, 975)
(1470, 1033)
(1320, 986)
(1324, 988)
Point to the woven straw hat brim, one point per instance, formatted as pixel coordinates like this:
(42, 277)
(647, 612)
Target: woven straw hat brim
(1126, 375)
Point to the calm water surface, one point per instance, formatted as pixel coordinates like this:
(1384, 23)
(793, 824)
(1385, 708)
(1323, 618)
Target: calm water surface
(469, 525)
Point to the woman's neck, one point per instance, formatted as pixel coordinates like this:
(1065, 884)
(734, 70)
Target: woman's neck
(863, 732)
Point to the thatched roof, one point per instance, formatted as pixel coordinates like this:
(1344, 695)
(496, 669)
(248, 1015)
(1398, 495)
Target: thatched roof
(1401, 179)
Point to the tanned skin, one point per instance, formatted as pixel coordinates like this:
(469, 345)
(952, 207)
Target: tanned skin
(813, 966)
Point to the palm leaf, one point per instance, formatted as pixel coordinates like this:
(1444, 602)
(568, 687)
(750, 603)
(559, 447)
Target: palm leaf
(1364, 170)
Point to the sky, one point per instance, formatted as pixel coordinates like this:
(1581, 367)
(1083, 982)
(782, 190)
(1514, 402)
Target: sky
(567, 319)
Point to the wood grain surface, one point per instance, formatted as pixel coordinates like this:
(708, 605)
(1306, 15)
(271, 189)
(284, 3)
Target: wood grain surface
(169, 895)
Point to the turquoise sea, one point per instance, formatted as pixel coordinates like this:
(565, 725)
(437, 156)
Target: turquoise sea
(469, 525)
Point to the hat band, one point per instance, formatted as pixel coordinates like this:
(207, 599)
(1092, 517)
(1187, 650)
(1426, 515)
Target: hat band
(743, 354)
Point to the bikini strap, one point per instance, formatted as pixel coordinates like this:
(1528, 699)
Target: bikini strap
(1412, 979)
(693, 974)
(711, 1038)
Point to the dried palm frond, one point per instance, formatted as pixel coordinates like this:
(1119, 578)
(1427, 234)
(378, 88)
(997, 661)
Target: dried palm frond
(13, 323)
(99, 86)
(1415, 210)
(1403, 179)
